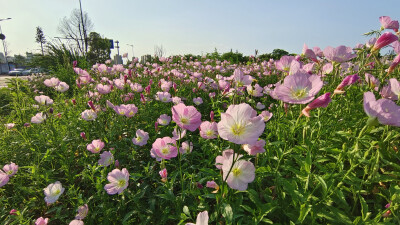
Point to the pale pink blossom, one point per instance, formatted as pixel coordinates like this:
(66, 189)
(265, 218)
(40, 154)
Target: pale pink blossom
(119, 180)
(321, 101)
(96, 146)
(202, 219)
(221, 158)
(76, 222)
(38, 118)
(10, 169)
(240, 124)
(209, 130)
(178, 134)
(165, 148)
(103, 89)
(41, 221)
(106, 158)
(164, 120)
(186, 147)
(44, 100)
(62, 87)
(52, 82)
(266, 115)
(82, 212)
(141, 138)
(238, 174)
(4, 178)
(186, 117)
(53, 192)
(258, 147)
(89, 115)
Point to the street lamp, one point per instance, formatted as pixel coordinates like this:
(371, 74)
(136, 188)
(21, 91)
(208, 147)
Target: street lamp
(132, 49)
(4, 45)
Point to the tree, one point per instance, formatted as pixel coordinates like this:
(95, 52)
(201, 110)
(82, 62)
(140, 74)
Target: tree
(20, 60)
(40, 37)
(159, 51)
(99, 48)
(75, 28)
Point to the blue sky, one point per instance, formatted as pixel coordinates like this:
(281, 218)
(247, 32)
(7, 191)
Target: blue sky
(198, 27)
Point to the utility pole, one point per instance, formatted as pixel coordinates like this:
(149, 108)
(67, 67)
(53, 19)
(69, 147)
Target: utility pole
(83, 27)
(4, 45)
(132, 50)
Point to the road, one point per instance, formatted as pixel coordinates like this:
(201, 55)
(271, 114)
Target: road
(3, 79)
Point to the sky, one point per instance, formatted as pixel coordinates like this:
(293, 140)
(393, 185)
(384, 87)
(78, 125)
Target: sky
(198, 27)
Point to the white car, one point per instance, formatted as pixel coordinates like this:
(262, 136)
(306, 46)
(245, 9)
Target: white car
(16, 72)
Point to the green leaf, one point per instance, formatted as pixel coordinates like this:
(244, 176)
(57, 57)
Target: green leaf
(304, 210)
(307, 166)
(126, 217)
(227, 213)
(186, 210)
(364, 208)
(323, 184)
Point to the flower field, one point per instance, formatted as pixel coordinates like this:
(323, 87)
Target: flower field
(311, 138)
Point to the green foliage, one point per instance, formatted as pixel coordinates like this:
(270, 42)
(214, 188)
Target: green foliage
(99, 48)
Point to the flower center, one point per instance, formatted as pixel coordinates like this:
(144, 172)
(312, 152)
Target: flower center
(237, 129)
(236, 172)
(57, 192)
(165, 150)
(131, 113)
(122, 112)
(210, 133)
(121, 183)
(184, 120)
(299, 93)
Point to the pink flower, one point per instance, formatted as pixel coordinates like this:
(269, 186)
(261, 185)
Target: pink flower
(41, 221)
(164, 174)
(136, 87)
(385, 39)
(128, 110)
(258, 147)
(10, 169)
(395, 86)
(103, 89)
(165, 148)
(265, 115)
(212, 184)
(396, 61)
(388, 23)
(321, 101)
(186, 117)
(96, 146)
(299, 88)
(186, 147)
(339, 54)
(385, 111)
(118, 181)
(141, 138)
(241, 79)
(239, 175)
(44, 100)
(348, 80)
(372, 81)
(76, 222)
(209, 130)
(219, 160)
(202, 219)
(52, 82)
(82, 212)
(4, 178)
(164, 120)
(62, 87)
(89, 115)
(14, 212)
(163, 96)
(53, 192)
(284, 63)
(240, 124)
(198, 101)
(106, 158)
(38, 118)
(9, 125)
(178, 134)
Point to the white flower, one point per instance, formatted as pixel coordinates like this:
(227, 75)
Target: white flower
(53, 192)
